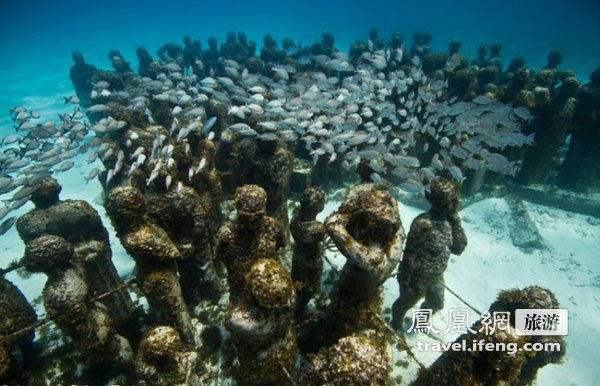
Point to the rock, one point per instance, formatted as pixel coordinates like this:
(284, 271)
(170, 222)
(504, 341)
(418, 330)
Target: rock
(523, 233)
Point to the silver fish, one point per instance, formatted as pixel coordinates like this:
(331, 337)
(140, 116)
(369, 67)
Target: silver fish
(7, 224)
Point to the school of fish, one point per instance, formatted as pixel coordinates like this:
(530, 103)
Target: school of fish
(382, 109)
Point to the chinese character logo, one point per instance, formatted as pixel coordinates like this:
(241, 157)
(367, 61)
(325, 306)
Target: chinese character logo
(421, 321)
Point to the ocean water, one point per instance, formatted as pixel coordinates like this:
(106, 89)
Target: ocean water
(37, 38)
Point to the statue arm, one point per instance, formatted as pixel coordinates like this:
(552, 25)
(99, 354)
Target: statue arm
(459, 237)
(348, 246)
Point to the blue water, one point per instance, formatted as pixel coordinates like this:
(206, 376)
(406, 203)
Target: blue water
(37, 37)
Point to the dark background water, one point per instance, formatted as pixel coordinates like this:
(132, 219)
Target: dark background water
(37, 37)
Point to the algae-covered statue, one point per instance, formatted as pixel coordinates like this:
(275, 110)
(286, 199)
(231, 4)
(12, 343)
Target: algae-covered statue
(118, 61)
(144, 59)
(81, 76)
(155, 255)
(80, 224)
(433, 236)
(261, 322)
(269, 164)
(162, 359)
(359, 359)
(511, 366)
(251, 236)
(16, 315)
(308, 234)
(68, 301)
(368, 231)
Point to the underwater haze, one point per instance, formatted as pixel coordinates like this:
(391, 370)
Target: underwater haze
(37, 37)
(299, 193)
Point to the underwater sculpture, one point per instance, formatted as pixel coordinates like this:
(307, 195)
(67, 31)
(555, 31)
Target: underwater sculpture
(251, 236)
(144, 60)
(367, 230)
(420, 44)
(190, 214)
(162, 359)
(188, 219)
(269, 164)
(498, 367)
(16, 314)
(240, 50)
(80, 224)
(580, 170)
(553, 108)
(118, 61)
(532, 297)
(270, 53)
(156, 259)
(359, 359)
(495, 59)
(81, 76)
(67, 300)
(171, 52)
(308, 234)
(191, 52)
(261, 323)
(432, 237)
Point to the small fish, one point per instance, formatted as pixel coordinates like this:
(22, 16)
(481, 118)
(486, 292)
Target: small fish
(4, 211)
(208, 124)
(137, 152)
(72, 99)
(200, 165)
(268, 137)
(25, 192)
(7, 224)
(376, 178)
(19, 203)
(101, 84)
(66, 166)
(523, 113)
(91, 175)
(409, 161)
(482, 100)
(4, 182)
(109, 176)
(170, 163)
(456, 173)
(149, 116)
(10, 139)
(97, 108)
(412, 186)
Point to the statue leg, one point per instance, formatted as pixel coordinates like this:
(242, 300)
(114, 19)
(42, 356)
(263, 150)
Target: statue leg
(434, 297)
(408, 298)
